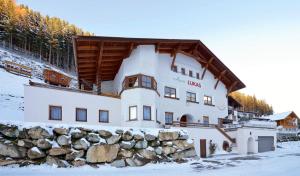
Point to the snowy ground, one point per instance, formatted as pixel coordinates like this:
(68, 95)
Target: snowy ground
(284, 161)
(12, 86)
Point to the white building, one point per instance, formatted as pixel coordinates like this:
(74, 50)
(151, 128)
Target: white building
(141, 83)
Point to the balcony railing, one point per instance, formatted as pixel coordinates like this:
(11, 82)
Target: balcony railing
(192, 125)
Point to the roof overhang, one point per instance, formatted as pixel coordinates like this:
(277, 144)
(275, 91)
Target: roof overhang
(99, 58)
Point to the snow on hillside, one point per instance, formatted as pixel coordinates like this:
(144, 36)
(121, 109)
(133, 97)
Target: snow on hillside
(12, 86)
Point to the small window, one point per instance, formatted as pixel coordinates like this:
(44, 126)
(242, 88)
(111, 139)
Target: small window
(183, 71)
(197, 75)
(146, 81)
(191, 73)
(168, 118)
(55, 112)
(170, 92)
(103, 116)
(205, 120)
(147, 113)
(208, 100)
(190, 96)
(174, 68)
(81, 114)
(133, 113)
(133, 81)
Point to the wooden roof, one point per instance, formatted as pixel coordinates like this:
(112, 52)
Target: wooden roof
(99, 58)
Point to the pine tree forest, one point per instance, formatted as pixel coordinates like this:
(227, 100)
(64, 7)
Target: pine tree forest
(47, 38)
(252, 104)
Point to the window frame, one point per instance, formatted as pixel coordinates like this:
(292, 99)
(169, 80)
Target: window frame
(204, 121)
(136, 109)
(170, 88)
(189, 100)
(191, 74)
(183, 71)
(148, 82)
(76, 114)
(206, 102)
(55, 106)
(101, 110)
(149, 114)
(198, 75)
(166, 118)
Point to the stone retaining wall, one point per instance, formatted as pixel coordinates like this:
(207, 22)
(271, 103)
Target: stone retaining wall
(75, 146)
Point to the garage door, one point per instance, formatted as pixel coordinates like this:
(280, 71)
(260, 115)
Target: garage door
(265, 143)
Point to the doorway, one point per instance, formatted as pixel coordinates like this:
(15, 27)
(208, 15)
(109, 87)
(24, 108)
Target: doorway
(203, 148)
(183, 121)
(250, 145)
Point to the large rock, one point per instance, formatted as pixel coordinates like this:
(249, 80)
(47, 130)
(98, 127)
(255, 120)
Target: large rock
(167, 143)
(77, 133)
(137, 161)
(184, 154)
(25, 143)
(38, 133)
(61, 131)
(154, 143)
(35, 153)
(78, 162)
(104, 134)
(150, 137)
(141, 145)
(127, 144)
(59, 151)
(148, 154)
(113, 139)
(118, 163)
(44, 144)
(93, 137)
(63, 140)
(81, 144)
(74, 154)
(125, 153)
(102, 153)
(138, 137)
(12, 150)
(127, 136)
(168, 136)
(9, 131)
(183, 144)
(52, 161)
(168, 150)
(119, 131)
(158, 150)
(183, 136)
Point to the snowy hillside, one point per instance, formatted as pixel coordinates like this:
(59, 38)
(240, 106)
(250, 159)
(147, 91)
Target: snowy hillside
(12, 86)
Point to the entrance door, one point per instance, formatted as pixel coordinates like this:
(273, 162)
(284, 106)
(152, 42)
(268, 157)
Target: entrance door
(203, 148)
(183, 121)
(265, 143)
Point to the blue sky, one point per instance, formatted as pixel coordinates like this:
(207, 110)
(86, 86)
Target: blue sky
(259, 40)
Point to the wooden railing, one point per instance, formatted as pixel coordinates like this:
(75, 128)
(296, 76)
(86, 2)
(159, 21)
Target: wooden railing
(225, 134)
(193, 125)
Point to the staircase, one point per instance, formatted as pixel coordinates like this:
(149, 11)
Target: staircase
(232, 140)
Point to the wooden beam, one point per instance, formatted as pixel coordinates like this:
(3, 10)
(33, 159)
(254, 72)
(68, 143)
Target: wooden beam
(86, 55)
(206, 67)
(220, 77)
(99, 60)
(231, 87)
(157, 47)
(193, 56)
(174, 57)
(87, 48)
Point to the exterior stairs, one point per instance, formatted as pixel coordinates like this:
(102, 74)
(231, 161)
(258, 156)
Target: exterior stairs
(232, 140)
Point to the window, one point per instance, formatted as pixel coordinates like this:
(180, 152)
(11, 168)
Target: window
(132, 81)
(207, 100)
(168, 118)
(103, 116)
(132, 112)
(191, 73)
(170, 92)
(205, 120)
(81, 114)
(174, 68)
(55, 112)
(183, 71)
(190, 96)
(197, 75)
(146, 112)
(146, 81)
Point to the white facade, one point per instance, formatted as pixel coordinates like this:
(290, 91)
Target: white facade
(143, 60)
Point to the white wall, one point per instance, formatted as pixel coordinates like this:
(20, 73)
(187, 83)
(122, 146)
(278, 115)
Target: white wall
(38, 99)
(244, 133)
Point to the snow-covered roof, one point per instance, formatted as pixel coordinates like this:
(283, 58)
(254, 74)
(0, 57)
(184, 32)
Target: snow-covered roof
(279, 116)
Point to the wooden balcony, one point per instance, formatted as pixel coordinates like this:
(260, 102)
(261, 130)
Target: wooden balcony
(191, 125)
